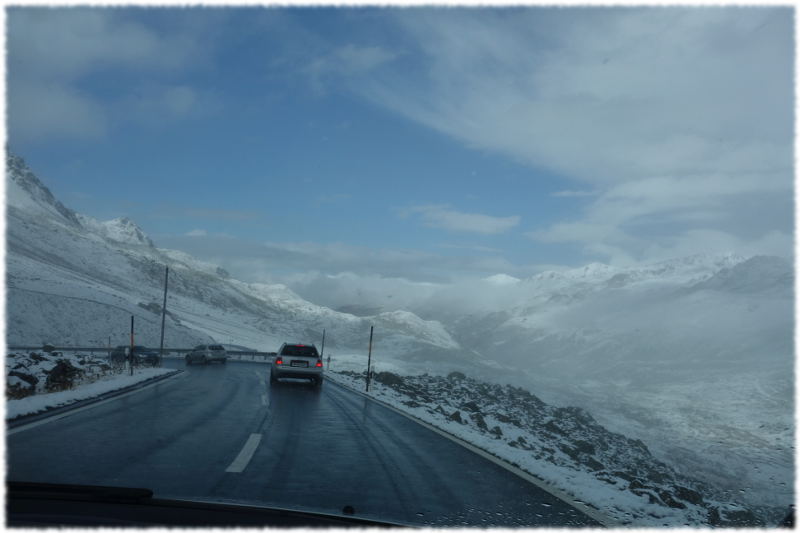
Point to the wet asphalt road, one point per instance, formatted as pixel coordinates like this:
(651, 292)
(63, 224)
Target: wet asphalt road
(314, 450)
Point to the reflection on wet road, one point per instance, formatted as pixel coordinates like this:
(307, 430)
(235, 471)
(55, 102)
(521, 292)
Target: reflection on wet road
(221, 432)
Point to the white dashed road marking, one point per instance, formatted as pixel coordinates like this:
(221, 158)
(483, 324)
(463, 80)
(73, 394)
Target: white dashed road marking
(243, 459)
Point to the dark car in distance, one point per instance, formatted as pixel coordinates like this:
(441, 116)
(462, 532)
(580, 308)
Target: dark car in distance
(141, 355)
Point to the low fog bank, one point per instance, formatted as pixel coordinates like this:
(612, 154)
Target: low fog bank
(432, 301)
(689, 318)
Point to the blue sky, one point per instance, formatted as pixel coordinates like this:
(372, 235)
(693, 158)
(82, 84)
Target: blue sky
(414, 144)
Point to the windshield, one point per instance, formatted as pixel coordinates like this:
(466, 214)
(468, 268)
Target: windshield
(539, 260)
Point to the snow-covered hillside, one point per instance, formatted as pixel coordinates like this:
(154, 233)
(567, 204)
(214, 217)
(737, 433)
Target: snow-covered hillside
(567, 449)
(73, 280)
(693, 356)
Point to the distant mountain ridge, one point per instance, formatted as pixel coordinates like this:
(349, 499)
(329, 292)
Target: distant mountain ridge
(74, 280)
(121, 229)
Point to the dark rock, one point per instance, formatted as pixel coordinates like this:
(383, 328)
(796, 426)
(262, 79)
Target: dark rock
(651, 498)
(741, 518)
(623, 475)
(656, 477)
(584, 447)
(456, 376)
(635, 484)
(153, 307)
(508, 420)
(667, 498)
(570, 451)
(29, 378)
(471, 406)
(389, 379)
(639, 444)
(21, 390)
(62, 376)
(688, 495)
(497, 432)
(479, 421)
(456, 417)
(593, 463)
(48, 348)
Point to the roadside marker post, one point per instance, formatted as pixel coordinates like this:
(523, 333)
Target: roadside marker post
(323, 344)
(369, 357)
(130, 354)
(163, 317)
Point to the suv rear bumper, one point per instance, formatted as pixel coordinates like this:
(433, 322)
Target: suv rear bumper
(294, 372)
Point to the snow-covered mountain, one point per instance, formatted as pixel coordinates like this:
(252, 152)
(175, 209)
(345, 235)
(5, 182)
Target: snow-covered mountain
(693, 356)
(73, 280)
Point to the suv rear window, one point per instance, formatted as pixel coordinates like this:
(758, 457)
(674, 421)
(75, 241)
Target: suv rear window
(215, 347)
(308, 351)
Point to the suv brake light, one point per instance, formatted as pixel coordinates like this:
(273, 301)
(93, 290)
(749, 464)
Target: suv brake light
(279, 361)
(319, 363)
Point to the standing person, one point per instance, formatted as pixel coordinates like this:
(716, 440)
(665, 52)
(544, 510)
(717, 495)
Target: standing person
(329, 360)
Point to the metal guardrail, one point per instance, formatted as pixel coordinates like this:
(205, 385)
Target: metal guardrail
(93, 349)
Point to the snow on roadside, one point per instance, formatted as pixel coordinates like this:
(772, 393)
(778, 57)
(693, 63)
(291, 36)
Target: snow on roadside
(42, 402)
(564, 447)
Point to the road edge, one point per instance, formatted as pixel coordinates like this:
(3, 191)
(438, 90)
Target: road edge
(33, 418)
(591, 512)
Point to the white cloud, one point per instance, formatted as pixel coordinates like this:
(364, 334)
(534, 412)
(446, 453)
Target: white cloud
(53, 43)
(638, 221)
(608, 94)
(48, 107)
(346, 63)
(197, 233)
(678, 118)
(573, 194)
(502, 279)
(154, 103)
(361, 58)
(442, 216)
(472, 247)
(51, 50)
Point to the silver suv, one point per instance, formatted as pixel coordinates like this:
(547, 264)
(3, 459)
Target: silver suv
(207, 353)
(297, 361)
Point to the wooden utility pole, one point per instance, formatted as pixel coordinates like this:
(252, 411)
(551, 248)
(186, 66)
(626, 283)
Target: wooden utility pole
(369, 357)
(163, 318)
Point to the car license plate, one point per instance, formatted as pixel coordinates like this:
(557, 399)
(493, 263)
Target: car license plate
(299, 363)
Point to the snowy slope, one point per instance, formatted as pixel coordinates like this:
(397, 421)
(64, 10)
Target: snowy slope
(74, 280)
(567, 449)
(693, 356)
